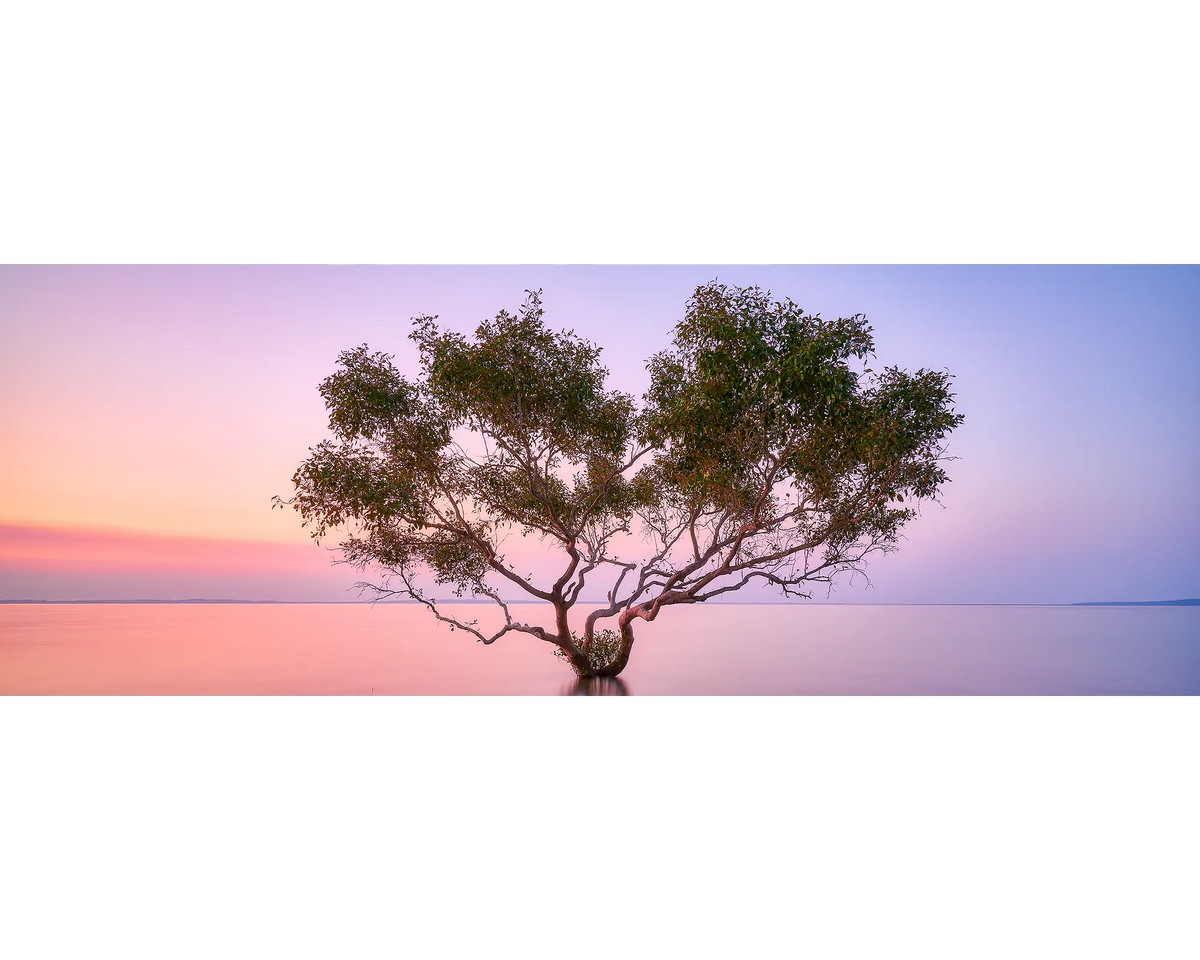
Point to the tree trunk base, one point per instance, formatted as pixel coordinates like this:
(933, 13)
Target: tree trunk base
(597, 687)
(611, 662)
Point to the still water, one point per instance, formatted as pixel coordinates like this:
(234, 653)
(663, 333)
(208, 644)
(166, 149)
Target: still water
(716, 649)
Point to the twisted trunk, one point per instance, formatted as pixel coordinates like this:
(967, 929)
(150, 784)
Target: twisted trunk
(613, 669)
(625, 618)
(576, 655)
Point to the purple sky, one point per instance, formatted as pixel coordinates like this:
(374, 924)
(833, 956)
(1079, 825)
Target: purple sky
(162, 407)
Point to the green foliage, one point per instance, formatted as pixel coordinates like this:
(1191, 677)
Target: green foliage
(522, 382)
(555, 447)
(756, 394)
(601, 651)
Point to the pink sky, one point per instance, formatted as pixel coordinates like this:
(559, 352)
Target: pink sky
(152, 413)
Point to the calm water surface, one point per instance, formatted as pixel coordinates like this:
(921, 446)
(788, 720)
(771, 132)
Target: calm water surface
(725, 649)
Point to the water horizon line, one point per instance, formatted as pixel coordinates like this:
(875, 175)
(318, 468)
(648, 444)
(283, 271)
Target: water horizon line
(1188, 602)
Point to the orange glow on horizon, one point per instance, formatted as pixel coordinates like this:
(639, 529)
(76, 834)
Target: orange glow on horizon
(58, 548)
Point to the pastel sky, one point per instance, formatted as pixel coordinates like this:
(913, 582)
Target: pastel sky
(150, 414)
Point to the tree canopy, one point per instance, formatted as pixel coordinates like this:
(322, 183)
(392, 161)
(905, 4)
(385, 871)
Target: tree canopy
(765, 449)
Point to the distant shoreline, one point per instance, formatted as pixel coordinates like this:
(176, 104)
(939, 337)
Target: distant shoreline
(1139, 603)
(1192, 602)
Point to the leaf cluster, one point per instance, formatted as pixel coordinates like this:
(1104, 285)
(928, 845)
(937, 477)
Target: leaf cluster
(758, 396)
(551, 446)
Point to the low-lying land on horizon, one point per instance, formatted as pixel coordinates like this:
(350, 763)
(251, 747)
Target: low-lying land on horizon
(1190, 602)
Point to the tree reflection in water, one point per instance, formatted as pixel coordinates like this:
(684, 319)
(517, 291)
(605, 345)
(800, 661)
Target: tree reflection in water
(596, 687)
